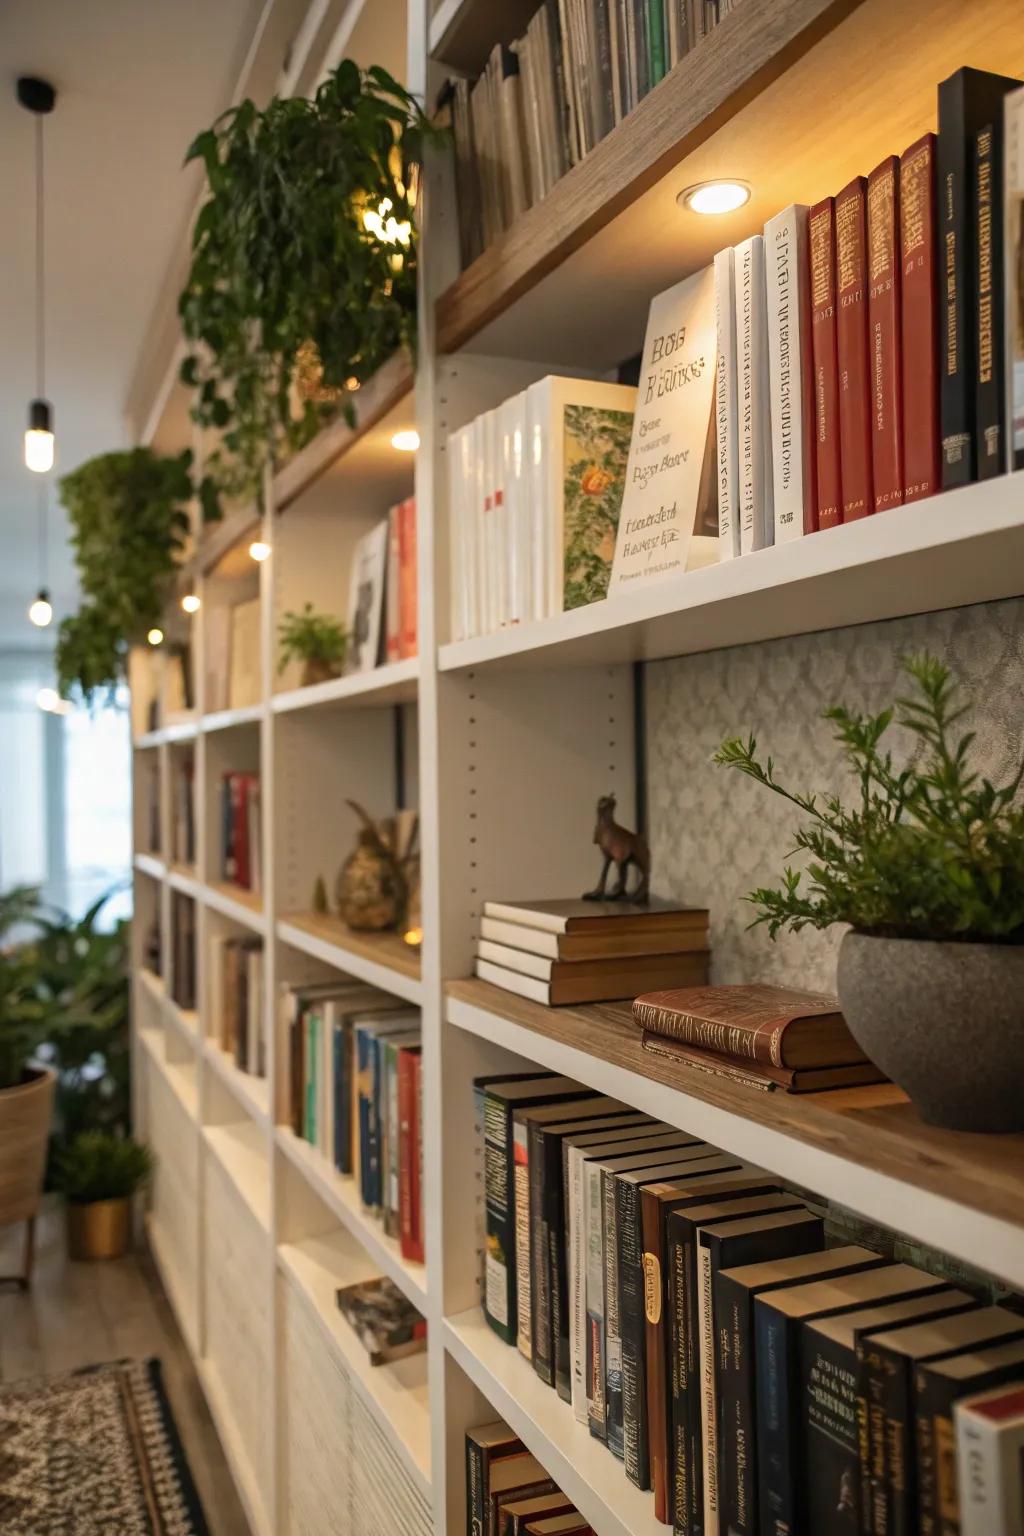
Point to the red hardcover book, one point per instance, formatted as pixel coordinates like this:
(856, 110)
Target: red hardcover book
(410, 1205)
(852, 344)
(393, 588)
(823, 352)
(885, 341)
(407, 578)
(922, 445)
(240, 827)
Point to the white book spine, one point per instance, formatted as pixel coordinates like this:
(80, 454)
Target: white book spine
(512, 981)
(577, 1287)
(990, 1466)
(516, 510)
(458, 576)
(481, 496)
(593, 1208)
(536, 493)
(518, 937)
(515, 959)
(725, 405)
(757, 523)
(788, 310)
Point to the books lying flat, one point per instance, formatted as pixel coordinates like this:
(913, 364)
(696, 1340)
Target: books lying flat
(621, 980)
(598, 943)
(773, 1026)
(386, 1324)
(811, 1080)
(573, 916)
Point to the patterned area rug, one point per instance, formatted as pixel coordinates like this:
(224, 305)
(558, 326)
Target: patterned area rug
(93, 1453)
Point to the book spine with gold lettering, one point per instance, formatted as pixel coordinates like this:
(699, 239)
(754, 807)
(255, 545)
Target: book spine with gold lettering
(636, 1448)
(652, 1229)
(922, 449)
(823, 352)
(852, 350)
(990, 398)
(884, 349)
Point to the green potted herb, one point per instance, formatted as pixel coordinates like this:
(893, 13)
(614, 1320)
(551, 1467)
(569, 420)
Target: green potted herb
(315, 639)
(98, 1174)
(26, 1086)
(927, 867)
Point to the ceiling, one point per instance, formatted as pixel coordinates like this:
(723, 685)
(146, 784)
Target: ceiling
(136, 79)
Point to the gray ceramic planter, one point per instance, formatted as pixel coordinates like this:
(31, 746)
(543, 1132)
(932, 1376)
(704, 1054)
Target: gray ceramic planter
(944, 1021)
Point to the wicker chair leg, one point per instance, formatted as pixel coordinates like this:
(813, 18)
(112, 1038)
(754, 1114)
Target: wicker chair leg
(23, 1281)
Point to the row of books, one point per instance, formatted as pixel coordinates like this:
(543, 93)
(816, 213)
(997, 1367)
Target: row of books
(236, 1000)
(241, 842)
(542, 104)
(382, 614)
(692, 1311)
(355, 1095)
(183, 950)
(183, 810)
(400, 640)
(234, 666)
(508, 1492)
(565, 951)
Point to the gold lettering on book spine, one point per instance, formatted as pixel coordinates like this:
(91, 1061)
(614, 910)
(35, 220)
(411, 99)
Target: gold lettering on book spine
(821, 266)
(914, 178)
(847, 242)
(881, 219)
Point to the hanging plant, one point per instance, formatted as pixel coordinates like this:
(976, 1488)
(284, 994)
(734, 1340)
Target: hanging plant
(128, 528)
(303, 265)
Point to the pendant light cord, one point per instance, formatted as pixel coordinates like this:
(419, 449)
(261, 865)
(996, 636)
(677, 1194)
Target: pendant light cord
(43, 497)
(40, 266)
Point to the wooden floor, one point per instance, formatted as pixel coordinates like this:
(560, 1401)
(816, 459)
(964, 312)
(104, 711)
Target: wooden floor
(83, 1314)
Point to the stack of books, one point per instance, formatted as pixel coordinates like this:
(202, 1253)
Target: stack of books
(354, 1070)
(508, 1492)
(236, 999)
(576, 951)
(542, 104)
(767, 1037)
(386, 1324)
(742, 1355)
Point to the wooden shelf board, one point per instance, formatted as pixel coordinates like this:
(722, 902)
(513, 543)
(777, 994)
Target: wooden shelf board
(245, 907)
(342, 1197)
(252, 1092)
(185, 1312)
(833, 81)
(243, 1153)
(583, 1468)
(221, 538)
(150, 864)
(395, 1394)
(183, 878)
(965, 546)
(463, 32)
(395, 683)
(866, 1148)
(231, 719)
(380, 959)
(390, 387)
(233, 1445)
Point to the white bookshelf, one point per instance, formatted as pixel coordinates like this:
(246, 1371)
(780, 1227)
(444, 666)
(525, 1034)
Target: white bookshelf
(508, 741)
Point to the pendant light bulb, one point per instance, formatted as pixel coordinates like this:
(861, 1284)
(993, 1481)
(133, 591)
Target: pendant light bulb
(259, 550)
(191, 602)
(41, 611)
(39, 437)
(155, 636)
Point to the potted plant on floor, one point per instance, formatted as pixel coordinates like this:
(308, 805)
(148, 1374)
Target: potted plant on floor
(317, 640)
(26, 1086)
(927, 868)
(99, 1174)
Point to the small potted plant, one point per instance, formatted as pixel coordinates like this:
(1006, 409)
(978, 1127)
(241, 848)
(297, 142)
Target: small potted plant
(315, 639)
(26, 1086)
(926, 865)
(98, 1174)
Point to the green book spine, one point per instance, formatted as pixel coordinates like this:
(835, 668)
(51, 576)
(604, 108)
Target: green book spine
(658, 59)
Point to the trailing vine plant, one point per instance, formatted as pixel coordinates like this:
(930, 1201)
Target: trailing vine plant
(128, 528)
(303, 261)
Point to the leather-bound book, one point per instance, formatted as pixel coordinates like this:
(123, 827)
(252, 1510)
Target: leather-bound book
(773, 1026)
(922, 447)
(852, 350)
(884, 340)
(824, 355)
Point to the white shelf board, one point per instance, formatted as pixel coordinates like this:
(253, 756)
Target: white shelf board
(173, 1284)
(228, 719)
(222, 899)
(184, 1020)
(361, 966)
(183, 727)
(153, 984)
(980, 1238)
(395, 683)
(233, 1446)
(966, 546)
(243, 1153)
(584, 1468)
(342, 1197)
(179, 879)
(252, 1092)
(150, 864)
(147, 740)
(396, 1394)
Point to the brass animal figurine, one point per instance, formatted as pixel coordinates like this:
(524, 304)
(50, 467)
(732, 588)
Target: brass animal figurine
(622, 849)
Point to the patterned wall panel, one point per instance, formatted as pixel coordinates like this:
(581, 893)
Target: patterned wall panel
(715, 834)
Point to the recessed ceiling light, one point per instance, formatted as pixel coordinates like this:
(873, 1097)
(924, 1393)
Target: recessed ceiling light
(406, 441)
(715, 196)
(259, 550)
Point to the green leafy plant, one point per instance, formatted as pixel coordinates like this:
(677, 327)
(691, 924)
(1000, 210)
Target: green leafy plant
(930, 850)
(303, 256)
(100, 1166)
(129, 524)
(311, 636)
(25, 1010)
(595, 478)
